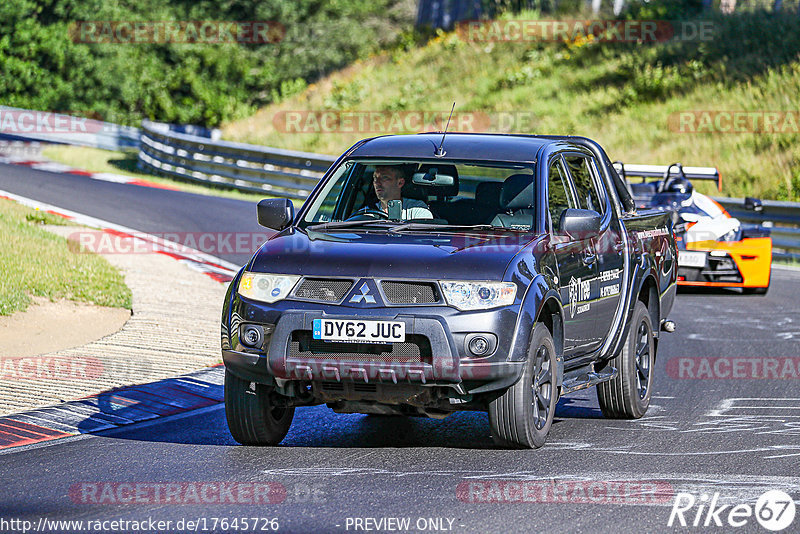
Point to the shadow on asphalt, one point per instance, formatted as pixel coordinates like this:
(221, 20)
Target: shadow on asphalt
(319, 426)
(721, 291)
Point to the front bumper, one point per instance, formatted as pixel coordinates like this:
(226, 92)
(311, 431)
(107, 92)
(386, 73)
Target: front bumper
(745, 263)
(443, 359)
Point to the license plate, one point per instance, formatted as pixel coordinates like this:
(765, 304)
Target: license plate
(355, 331)
(688, 258)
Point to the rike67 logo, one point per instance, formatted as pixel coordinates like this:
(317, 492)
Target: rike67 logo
(774, 510)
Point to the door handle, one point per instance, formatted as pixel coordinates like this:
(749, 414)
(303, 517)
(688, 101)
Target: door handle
(589, 259)
(619, 247)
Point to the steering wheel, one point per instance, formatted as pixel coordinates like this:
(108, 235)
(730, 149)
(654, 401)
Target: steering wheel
(368, 214)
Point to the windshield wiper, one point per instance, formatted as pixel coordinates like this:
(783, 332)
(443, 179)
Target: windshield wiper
(347, 224)
(433, 226)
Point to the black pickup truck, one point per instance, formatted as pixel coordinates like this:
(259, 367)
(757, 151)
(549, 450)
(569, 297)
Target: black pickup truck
(511, 270)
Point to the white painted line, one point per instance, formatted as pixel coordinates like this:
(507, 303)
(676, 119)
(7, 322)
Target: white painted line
(51, 167)
(109, 177)
(731, 407)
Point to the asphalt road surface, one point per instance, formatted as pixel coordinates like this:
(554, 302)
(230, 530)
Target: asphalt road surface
(723, 428)
(147, 209)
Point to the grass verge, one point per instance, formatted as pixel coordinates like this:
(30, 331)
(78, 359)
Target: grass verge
(124, 163)
(34, 262)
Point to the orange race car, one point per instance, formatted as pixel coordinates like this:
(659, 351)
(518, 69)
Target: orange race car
(714, 249)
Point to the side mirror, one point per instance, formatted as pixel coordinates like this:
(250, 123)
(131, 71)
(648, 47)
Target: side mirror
(275, 213)
(580, 224)
(753, 204)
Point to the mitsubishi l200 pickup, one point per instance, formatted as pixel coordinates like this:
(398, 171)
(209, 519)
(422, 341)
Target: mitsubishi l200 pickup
(426, 275)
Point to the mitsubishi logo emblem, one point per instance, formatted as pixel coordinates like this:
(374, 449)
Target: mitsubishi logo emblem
(365, 296)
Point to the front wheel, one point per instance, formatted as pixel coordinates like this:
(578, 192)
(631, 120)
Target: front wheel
(522, 416)
(254, 417)
(627, 396)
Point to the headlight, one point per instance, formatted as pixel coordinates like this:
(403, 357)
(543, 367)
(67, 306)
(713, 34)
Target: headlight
(266, 287)
(479, 295)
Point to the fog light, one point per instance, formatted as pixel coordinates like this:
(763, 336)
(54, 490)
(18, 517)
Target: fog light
(479, 345)
(252, 336)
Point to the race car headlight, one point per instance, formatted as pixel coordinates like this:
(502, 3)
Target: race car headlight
(266, 287)
(479, 295)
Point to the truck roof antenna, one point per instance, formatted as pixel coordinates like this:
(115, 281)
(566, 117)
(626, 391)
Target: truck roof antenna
(440, 151)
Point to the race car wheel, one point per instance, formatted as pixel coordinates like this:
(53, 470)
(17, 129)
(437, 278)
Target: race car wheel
(522, 416)
(627, 396)
(254, 417)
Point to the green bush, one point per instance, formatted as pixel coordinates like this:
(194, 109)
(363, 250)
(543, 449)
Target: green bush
(42, 68)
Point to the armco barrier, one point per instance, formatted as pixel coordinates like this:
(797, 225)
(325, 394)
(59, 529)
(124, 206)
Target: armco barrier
(245, 167)
(783, 218)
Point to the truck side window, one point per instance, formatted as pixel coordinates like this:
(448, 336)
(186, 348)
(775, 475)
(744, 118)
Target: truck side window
(558, 197)
(585, 186)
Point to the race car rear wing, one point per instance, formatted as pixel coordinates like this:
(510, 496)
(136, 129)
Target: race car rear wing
(662, 172)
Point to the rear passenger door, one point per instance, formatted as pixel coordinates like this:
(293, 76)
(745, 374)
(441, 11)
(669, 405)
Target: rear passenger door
(575, 273)
(592, 195)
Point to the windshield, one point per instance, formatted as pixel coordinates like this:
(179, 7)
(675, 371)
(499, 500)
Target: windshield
(377, 194)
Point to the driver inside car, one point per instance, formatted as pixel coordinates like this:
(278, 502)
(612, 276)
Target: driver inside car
(388, 181)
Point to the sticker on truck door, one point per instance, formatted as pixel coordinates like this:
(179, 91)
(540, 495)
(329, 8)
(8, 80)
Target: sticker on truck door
(578, 292)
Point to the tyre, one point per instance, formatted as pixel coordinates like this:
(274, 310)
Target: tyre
(253, 417)
(522, 416)
(627, 396)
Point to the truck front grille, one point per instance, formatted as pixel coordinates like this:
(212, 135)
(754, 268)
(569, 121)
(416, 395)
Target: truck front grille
(410, 292)
(324, 289)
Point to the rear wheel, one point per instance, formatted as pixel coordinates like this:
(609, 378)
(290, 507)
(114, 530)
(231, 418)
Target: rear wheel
(522, 416)
(628, 395)
(254, 417)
